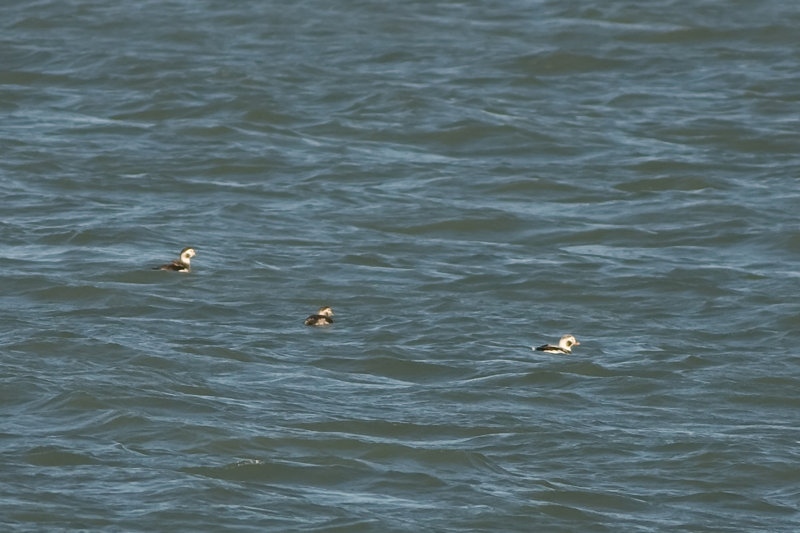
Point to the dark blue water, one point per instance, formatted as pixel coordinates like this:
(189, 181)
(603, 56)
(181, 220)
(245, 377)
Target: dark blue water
(460, 181)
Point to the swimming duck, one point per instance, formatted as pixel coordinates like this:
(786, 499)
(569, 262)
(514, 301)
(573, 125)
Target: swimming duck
(182, 264)
(321, 318)
(564, 345)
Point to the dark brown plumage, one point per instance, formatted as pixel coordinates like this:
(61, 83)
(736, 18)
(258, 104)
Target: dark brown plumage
(564, 345)
(182, 264)
(321, 318)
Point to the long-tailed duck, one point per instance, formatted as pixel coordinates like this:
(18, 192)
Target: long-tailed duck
(182, 264)
(321, 318)
(564, 345)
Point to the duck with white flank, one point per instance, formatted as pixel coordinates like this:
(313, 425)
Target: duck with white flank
(321, 318)
(182, 264)
(564, 345)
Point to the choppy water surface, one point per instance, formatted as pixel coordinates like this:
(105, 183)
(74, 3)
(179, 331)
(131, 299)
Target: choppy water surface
(460, 181)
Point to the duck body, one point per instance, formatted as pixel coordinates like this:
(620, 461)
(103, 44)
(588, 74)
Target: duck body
(320, 318)
(182, 264)
(564, 345)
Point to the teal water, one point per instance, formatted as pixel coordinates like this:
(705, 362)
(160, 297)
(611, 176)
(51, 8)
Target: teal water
(460, 181)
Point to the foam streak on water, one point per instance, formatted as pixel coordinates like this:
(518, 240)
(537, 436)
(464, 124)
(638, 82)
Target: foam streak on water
(460, 181)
